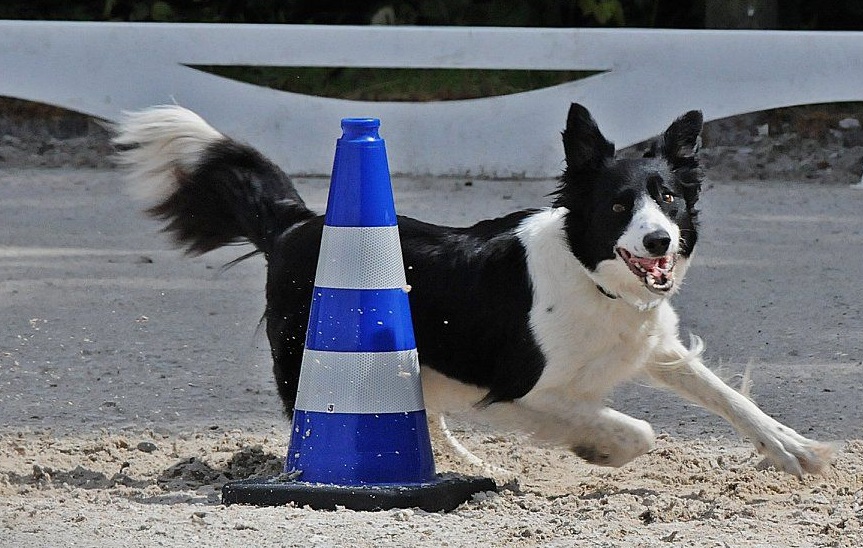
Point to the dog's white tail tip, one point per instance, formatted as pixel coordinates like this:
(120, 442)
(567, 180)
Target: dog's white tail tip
(157, 142)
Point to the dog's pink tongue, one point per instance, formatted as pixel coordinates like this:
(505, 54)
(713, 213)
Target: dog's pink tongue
(652, 266)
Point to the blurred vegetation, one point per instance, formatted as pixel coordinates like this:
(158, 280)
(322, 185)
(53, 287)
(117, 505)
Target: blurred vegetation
(789, 14)
(428, 84)
(389, 84)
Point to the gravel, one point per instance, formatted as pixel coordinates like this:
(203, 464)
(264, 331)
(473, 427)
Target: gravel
(808, 144)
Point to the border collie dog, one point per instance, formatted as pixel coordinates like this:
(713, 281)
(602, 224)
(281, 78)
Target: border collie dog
(533, 317)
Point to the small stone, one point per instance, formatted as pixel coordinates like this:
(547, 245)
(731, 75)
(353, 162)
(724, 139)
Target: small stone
(147, 447)
(403, 515)
(849, 123)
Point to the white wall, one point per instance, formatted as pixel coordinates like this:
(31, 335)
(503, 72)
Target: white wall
(649, 78)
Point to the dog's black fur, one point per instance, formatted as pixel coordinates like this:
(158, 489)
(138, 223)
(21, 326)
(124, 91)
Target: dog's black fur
(548, 309)
(479, 334)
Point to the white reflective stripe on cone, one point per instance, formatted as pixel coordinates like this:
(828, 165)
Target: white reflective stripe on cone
(360, 258)
(360, 382)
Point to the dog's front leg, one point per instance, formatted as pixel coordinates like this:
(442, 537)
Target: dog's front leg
(682, 371)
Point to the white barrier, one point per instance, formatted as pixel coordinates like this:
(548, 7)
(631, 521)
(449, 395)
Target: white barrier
(650, 77)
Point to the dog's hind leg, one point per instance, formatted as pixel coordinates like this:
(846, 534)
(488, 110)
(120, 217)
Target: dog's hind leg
(596, 433)
(465, 454)
(682, 371)
(610, 438)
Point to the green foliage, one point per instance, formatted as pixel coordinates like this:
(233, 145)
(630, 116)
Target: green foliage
(540, 13)
(366, 84)
(796, 14)
(161, 11)
(603, 11)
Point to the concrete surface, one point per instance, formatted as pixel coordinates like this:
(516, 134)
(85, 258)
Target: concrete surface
(105, 325)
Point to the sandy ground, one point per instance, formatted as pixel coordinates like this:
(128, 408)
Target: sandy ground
(134, 382)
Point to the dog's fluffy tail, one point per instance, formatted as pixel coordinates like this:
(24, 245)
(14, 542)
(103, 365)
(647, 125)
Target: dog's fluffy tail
(210, 190)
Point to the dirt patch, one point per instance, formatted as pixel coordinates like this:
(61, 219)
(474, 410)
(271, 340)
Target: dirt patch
(103, 489)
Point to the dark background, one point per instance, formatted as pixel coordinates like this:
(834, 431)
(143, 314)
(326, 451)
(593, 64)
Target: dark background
(693, 14)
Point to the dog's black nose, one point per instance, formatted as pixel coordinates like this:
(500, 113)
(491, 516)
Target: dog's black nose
(657, 242)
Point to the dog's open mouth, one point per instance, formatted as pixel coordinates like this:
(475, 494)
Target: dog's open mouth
(657, 273)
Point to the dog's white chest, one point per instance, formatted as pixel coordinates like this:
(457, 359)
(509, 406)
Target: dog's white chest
(588, 348)
(590, 341)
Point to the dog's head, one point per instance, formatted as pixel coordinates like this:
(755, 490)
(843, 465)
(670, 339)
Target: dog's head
(632, 223)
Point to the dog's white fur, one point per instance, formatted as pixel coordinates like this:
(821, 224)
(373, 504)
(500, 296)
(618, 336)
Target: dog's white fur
(158, 142)
(593, 343)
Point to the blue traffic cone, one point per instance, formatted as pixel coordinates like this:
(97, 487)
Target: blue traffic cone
(359, 417)
(360, 437)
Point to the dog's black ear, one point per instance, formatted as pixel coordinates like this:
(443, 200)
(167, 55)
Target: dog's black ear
(583, 143)
(682, 139)
(680, 144)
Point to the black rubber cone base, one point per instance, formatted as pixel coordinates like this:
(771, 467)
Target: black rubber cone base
(442, 494)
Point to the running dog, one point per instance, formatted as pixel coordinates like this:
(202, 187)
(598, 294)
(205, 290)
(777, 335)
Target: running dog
(534, 317)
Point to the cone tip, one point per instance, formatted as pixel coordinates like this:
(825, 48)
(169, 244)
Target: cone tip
(360, 129)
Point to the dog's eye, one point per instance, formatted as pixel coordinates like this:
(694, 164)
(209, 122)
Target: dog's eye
(668, 198)
(618, 208)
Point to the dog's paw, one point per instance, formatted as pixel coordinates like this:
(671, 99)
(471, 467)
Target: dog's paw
(592, 454)
(790, 452)
(618, 442)
(604, 455)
